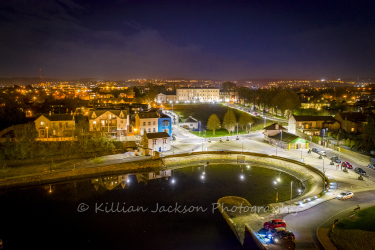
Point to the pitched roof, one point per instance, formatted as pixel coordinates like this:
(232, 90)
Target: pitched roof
(301, 118)
(285, 137)
(157, 135)
(99, 112)
(58, 117)
(143, 115)
(273, 127)
(190, 119)
(353, 116)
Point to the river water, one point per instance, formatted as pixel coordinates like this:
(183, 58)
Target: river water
(159, 210)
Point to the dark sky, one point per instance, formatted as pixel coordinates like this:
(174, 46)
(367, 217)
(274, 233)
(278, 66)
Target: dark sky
(225, 40)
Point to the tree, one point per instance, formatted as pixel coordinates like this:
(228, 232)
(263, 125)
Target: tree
(286, 100)
(244, 120)
(369, 135)
(213, 123)
(229, 121)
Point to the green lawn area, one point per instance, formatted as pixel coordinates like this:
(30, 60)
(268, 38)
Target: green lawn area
(364, 221)
(202, 112)
(356, 233)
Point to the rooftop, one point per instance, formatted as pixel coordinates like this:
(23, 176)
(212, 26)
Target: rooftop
(157, 135)
(300, 118)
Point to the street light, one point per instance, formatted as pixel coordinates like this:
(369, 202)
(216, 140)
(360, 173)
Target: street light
(47, 132)
(291, 192)
(281, 139)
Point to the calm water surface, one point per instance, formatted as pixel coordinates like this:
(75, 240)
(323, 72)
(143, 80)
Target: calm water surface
(47, 217)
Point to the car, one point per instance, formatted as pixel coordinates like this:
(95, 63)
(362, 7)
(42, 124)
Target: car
(322, 153)
(274, 224)
(371, 166)
(335, 159)
(346, 164)
(345, 195)
(315, 150)
(360, 171)
(279, 235)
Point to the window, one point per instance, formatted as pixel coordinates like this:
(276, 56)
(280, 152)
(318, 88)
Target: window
(121, 121)
(144, 123)
(352, 129)
(41, 132)
(153, 130)
(149, 123)
(154, 123)
(149, 130)
(164, 140)
(41, 123)
(154, 142)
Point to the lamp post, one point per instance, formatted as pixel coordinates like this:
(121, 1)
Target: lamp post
(281, 139)
(242, 144)
(237, 128)
(324, 133)
(301, 152)
(323, 164)
(291, 192)
(47, 132)
(265, 121)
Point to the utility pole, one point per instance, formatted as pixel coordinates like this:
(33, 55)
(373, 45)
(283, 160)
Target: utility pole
(291, 192)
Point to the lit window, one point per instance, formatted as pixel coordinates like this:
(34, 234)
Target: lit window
(153, 130)
(352, 129)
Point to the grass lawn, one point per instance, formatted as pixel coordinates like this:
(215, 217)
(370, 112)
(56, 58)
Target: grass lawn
(356, 233)
(202, 112)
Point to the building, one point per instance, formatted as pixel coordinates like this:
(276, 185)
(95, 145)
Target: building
(311, 125)
(112, 123)
(288, 141)
(352, 122)
(110, 182)
(272, 130)
(198, 95)
(55, 125)
(165, 124)
(229, 96)
(160, 98)
(190, 123)
(146, 122)
(158, 142)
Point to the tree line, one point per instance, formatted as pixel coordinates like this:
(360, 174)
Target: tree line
(229, 121)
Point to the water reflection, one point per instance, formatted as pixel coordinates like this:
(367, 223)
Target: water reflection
(123, 181)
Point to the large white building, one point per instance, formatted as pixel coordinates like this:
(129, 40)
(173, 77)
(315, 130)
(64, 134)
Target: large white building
(198, 95)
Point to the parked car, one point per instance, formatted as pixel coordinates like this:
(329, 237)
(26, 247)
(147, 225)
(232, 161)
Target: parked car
(345, 195)
(322, 153)
(315, 150)
(279, 235)
(360, 171)
(346, 164)
(274, 224)
(335, 159)
(371, 166)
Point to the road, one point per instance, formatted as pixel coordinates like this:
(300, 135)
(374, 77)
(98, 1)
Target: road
(303, 224)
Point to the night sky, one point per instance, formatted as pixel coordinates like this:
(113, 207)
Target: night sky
(226, 40)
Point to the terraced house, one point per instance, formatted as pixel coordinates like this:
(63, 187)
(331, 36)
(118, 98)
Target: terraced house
(113, 123)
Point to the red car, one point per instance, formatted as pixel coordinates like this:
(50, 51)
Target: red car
(346, 164)
(274, 224)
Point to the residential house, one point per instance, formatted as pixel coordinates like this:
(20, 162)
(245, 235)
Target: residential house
(190, 123)
(55, 125)
(311, 125)
(109, 122)
(353, 122)
(146, 177)
(146, 121)
(228, 96)
(165, 124)
(158, 142)
(272, 130)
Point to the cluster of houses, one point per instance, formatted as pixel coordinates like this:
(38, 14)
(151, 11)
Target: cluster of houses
(302, 127)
